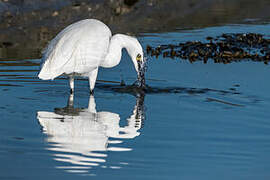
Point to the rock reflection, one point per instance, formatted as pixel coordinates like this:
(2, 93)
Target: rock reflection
(80, 137)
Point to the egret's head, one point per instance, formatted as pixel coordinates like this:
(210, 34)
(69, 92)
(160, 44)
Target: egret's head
(135, 51)
(140, 66)
(139, 62)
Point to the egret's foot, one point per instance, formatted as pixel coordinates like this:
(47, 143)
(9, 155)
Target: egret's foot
(122, 83)
(135, 83)
(91, 92)
(71, 91)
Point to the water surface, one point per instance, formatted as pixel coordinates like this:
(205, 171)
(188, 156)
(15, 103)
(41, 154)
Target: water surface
(200, 121)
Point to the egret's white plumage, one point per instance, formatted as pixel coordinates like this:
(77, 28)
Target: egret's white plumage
(82, 47)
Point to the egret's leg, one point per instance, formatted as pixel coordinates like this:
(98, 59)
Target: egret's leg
(92, 104)
(70, 100)
(92, 80)
(71, 83)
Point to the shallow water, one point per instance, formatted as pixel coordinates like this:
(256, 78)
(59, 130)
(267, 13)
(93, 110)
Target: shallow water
(196, 121)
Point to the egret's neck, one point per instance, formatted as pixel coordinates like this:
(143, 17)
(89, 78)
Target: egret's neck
(117, 43)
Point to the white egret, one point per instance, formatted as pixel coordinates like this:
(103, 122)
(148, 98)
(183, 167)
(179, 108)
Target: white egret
(81, 48)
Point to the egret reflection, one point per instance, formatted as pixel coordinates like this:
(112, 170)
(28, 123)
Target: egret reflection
(80, 137)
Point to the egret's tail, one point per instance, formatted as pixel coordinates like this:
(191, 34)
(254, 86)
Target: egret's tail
(46, 74)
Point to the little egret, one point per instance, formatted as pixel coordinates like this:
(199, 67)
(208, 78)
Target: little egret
(81, 48)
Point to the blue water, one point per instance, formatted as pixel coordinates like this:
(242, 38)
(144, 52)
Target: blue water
(216, 125)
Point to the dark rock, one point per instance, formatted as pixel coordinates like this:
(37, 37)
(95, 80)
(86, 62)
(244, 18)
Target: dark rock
(130, 2)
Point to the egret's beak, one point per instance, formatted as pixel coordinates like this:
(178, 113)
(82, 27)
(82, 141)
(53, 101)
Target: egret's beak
(140, 66)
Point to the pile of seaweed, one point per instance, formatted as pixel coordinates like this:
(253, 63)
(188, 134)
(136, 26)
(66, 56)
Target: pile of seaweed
(227, 48)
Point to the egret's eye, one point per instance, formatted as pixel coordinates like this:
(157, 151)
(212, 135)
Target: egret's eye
(139, 57)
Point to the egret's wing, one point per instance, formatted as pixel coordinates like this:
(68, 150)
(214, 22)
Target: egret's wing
(78, 48)
(90, 51)
(61, 46)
